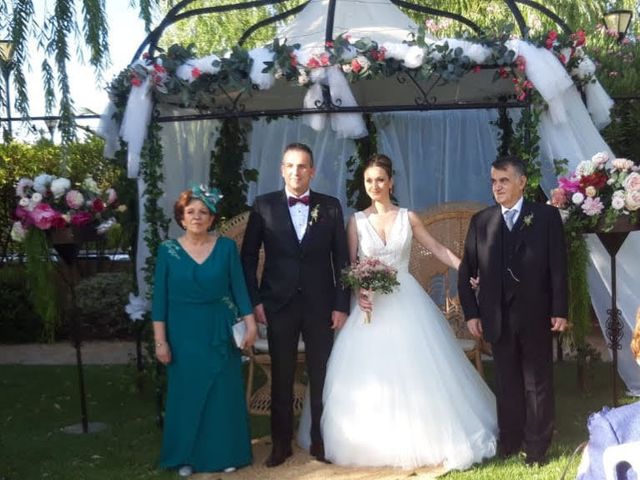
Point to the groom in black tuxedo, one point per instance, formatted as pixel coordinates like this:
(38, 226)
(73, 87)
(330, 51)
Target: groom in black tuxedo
(305, 246)
(518, 250)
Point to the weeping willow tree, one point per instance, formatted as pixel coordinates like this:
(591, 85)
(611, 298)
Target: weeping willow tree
(56, 27)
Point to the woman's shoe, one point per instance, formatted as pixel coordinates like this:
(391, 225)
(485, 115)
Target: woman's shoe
(185, 471)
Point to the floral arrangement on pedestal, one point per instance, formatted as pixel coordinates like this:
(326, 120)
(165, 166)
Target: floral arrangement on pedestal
(598, 193)
(602, 194)
(48, 205)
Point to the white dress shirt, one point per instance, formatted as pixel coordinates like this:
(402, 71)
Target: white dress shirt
(299, 214)
(517, 207)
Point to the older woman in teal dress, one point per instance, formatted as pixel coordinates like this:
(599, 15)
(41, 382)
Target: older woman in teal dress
(199, 291)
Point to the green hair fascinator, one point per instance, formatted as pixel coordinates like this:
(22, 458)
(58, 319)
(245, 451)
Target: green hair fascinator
(210, 197)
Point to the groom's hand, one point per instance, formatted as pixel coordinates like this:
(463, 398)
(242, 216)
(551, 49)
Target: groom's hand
(475, 327)
(338, 319)
(558, 324)
(258, 311)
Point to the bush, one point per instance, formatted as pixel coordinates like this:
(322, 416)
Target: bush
(19, 322)
(101, 299)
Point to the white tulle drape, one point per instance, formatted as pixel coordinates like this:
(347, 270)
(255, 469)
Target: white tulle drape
(267, 141)
(439, 156)
(187, 148)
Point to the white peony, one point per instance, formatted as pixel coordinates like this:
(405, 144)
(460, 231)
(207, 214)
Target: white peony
(584, 168)
(41, 182)
(395, 50)
(414, 57)
(600, 158)
(577, 198)
(36, 198)
(59, 187)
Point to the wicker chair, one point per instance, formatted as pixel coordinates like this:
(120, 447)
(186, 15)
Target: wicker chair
(259, 402)
(447, 223)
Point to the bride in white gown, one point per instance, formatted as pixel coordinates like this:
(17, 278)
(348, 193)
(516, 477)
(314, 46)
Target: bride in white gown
(399, 391)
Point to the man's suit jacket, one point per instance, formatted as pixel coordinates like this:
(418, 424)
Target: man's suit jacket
(311, 267)
(539, 263)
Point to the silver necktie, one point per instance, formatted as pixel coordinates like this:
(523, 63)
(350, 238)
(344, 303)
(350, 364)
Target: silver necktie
(508, 218)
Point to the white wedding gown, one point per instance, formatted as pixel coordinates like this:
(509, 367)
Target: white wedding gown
(399, 391)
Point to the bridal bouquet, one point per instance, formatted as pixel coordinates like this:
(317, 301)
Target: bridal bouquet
(370, 274)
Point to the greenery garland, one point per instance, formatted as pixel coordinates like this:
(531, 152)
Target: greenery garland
(365, 147)
(226, 171)
(41, 278)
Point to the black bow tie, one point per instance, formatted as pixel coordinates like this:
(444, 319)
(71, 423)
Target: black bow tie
(304, 200)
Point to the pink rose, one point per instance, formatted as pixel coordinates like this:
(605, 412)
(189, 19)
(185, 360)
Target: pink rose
(112, 196)
(74, 199)
(44, 216)
(559, 198)
(81, 219)
(632, 182)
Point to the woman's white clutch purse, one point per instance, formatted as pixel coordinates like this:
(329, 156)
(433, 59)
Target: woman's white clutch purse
(239, 331)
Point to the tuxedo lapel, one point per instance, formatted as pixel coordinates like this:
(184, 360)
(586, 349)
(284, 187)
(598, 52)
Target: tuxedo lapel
(283, 214)
(494, 233)
(314, 204)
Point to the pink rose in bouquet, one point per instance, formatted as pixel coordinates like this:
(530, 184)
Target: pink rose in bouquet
(74, 199)
(80, 219)
(44, 216)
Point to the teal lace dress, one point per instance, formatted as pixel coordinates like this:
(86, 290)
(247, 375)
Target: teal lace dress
(206, 420)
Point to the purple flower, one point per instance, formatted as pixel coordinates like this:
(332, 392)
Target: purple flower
(570, 185)
(592, 206)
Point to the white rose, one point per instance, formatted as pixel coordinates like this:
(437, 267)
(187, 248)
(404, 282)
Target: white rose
(618, 193)
(600, 158)
(617, 202)
(121, 208)
(24, 202)
(590, 191)
(577, 198)
(346, 68)
(585, 168)
(611, 181)
(632, 200)
(36, 198)
(59, 187)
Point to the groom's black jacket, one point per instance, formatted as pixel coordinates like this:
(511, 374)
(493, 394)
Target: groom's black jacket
(537, 258)
(311, 267)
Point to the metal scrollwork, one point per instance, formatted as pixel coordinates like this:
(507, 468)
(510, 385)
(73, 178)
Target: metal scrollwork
(613, 329)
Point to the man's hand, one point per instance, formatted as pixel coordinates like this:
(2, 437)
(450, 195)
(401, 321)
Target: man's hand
(558, 324)
(258, 311)
(338, 319)
(475, 327)
(475, 282)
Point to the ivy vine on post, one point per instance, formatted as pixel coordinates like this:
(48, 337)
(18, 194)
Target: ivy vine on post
(156, 231)
(365, 147)
(227, 172)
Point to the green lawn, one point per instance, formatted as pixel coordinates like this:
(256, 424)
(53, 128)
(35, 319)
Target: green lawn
(35, 402)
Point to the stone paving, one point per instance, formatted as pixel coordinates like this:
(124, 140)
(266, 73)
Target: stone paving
(93, 353)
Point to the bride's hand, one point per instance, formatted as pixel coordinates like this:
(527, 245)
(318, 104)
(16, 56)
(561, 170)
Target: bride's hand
(364, 300)
(475, 282)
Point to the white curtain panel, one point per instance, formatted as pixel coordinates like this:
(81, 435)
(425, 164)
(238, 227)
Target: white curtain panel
(267, 141)
(439, 156)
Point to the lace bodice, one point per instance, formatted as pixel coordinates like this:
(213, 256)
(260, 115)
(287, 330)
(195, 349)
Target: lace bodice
(396, 251)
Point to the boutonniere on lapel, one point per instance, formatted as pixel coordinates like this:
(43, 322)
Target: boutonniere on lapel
(315, 213)
(527, 221)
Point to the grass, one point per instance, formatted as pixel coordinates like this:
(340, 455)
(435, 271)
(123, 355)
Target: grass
(36, 402)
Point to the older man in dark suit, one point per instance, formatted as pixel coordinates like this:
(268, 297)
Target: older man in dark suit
(518, 250)
(305, 246)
